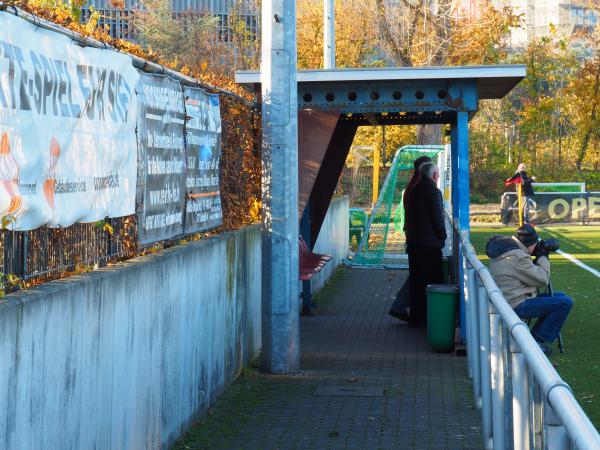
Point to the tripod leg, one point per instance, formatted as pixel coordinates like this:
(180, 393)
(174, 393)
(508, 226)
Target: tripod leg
(561, 348)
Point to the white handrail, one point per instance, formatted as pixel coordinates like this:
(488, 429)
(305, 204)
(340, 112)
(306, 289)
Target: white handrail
(556, 392)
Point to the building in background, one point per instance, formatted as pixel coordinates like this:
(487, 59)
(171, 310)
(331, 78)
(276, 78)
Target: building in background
(119, 19)
(544, 17)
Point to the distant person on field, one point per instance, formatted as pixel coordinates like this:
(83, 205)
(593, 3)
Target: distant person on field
(521, 177)
(425, 229)
(519, 278)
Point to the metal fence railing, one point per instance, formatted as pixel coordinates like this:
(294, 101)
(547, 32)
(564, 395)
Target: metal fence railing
(524, 402)
(46, 253)
(119, 23)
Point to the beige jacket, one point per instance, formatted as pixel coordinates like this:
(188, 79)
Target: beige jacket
(517, 276)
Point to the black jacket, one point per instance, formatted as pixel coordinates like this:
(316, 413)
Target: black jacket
(526, 181)
(424, 215)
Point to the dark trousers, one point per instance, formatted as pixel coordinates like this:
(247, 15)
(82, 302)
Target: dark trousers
(551, 312)
(424, 267)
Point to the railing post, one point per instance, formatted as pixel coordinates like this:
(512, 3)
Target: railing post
(464, 285)
(520, 399)
(473, 336)
(555, 434)
(484, 361)
(537, 413)
(497, 379)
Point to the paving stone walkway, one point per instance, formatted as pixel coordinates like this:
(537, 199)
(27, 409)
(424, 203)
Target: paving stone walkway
(368, 381)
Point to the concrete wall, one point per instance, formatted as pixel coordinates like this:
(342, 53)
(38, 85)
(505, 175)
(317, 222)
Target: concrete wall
(332, 240)
(125, 357)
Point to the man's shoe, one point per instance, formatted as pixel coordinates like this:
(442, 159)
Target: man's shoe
(544, 347)
(403, 316)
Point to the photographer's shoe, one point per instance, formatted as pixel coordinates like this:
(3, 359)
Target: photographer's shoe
(544, 347)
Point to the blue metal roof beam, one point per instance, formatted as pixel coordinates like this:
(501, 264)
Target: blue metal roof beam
(491, 82)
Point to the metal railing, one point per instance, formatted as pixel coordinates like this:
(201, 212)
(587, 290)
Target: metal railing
(46, 253)
(524, 402)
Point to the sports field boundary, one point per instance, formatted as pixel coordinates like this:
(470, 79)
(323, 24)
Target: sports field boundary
(579, 263)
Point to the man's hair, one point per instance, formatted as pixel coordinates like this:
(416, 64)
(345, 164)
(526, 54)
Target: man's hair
(420, 161)
(429, 169)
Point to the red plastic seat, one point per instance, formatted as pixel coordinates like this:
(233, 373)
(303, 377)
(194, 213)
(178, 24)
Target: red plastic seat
(310, 263)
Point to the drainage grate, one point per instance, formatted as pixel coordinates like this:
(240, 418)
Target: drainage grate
(349, 391)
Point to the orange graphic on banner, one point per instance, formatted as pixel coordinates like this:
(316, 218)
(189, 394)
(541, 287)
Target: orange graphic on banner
(9, 176)
(50, 182)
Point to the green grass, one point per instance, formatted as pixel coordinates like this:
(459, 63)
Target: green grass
(557, 189)
(579, 366)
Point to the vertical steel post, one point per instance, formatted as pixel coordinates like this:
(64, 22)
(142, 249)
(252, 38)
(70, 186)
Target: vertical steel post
(281, 327)
(520, 399)
(329, 34)
(555, 436)
(497, 371)
(537, 409)
(460, 195)
(484, 360)
(473, 327)
(466, 294)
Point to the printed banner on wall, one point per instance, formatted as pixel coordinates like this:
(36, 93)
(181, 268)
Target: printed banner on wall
(161, 158)
(558, 207)
(203, 147)
(67, 129)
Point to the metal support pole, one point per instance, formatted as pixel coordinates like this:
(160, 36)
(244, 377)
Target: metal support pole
(537, 413)
(497, 371)
(473, 336)
(484, 360)
(329, 34)
(555, 434)
(460, 194)
(520, 399)
(307, 303)
(468, 323)
(281, 324)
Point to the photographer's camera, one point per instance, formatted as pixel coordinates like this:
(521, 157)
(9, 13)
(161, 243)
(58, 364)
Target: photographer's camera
(544, 247)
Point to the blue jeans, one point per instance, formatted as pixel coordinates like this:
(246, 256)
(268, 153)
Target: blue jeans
(551, 311)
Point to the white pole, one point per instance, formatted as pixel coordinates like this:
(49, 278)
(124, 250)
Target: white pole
(329, 34)
(520, 399)
(497, 369)
(484, 360)
(474, 332)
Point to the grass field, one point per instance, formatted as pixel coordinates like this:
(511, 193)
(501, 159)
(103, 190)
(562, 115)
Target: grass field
(579, 366)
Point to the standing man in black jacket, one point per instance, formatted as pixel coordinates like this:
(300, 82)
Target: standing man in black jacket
(425, 237)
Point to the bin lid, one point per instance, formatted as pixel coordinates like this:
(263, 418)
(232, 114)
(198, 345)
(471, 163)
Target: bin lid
(443, 288)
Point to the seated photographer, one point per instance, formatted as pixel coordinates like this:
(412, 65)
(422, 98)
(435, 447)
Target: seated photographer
(519, 278)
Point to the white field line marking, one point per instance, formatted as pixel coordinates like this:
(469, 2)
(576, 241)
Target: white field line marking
(579, 263)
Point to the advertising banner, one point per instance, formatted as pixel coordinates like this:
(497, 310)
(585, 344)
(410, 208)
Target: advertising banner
(67, 129)
(557, 207)
(203, 148)
(161, 158)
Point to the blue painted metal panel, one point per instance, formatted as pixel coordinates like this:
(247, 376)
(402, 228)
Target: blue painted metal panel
(391, 96)
(460, 196)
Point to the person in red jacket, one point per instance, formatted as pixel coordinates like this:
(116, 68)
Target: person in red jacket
(526, 182)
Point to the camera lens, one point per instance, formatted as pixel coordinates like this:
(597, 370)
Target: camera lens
(551, 244)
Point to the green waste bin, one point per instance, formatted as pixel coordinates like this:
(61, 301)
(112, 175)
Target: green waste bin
(441, 316)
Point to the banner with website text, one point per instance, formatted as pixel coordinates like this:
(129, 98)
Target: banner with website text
(203, 148)
(67, 129)
(161, 158)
